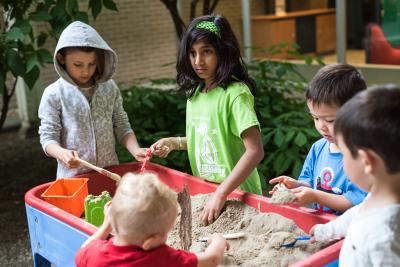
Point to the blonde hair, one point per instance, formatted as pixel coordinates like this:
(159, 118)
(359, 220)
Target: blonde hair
(142, 206)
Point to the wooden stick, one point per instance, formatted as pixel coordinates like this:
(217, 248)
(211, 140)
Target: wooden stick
(226, 236)
(109, 174)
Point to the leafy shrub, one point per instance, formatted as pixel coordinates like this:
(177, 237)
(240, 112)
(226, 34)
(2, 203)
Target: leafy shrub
(287, 129)
(154, 114)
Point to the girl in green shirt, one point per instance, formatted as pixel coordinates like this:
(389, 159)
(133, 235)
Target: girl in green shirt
(222, 131)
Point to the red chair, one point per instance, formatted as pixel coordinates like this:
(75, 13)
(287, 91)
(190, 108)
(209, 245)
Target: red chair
(378, 49)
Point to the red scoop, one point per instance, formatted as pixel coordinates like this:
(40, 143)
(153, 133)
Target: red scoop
(146, 159)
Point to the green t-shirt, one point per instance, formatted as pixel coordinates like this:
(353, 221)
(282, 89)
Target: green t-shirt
(214, 123)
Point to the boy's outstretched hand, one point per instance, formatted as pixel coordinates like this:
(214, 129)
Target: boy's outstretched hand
(312, 240)
(304, 195)
(214, 253)
(289, 182)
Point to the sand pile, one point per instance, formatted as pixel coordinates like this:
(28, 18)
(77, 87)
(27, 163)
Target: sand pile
(265, 232)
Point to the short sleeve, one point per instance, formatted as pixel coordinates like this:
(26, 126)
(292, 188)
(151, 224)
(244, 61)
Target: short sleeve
(306, 174)
(80, 257)
(243, 115)
(354, 194)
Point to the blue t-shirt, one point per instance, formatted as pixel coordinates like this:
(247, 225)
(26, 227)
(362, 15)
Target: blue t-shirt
(323, 170)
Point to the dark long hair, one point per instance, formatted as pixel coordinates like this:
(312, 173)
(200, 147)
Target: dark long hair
(230, 63)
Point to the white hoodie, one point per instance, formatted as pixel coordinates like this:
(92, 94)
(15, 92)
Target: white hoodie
(68, 119)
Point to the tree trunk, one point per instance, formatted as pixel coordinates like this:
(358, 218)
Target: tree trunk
(193, 5)
(206, 7)
(6, 103)
(213, 5)
(173, 10)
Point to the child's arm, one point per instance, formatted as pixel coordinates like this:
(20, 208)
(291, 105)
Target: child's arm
(164, 146)
(214, 253)
(246, 164)
(306, 195)
(131, 143)
(104, 230)
(68, 157)
(335, 229)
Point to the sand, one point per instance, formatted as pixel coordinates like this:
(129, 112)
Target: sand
(265, 232)
(282, 196)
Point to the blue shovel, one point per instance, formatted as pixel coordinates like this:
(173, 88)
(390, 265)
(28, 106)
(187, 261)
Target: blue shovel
(297, 238)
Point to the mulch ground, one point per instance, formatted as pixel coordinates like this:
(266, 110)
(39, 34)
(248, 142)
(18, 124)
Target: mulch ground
(23, 166)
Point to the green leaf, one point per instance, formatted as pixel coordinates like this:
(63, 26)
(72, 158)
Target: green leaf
(15, 34)
(96, 7)
(24, 25)
(45, 56)
(31, 77)
(32, 61)
(40, 16)
(298, 165)
(300, 139)
(82, 16)
(59, 10)
(109, 4)
(278, 138)
(278, 162)
(289, 136)
(72, 6)
(41, 39)
(15, 63)
(312, 132)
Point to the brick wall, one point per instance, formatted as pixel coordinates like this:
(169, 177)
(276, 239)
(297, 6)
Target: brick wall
(143, 36)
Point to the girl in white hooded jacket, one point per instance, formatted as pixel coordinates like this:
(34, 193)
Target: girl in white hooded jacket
(81, 113)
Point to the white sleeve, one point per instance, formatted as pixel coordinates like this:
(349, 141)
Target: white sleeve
(337, 228)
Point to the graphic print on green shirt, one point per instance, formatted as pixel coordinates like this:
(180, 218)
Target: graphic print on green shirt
(214, 123)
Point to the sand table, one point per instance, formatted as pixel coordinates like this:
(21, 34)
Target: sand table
(265, 232)
(282, 196)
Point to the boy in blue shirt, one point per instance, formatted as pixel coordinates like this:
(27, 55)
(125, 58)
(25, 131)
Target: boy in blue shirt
(322, 181)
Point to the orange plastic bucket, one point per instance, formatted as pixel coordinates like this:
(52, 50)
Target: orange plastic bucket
(68, 194)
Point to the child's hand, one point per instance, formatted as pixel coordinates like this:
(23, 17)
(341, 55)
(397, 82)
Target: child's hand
(312, 240)
(106, 211)
(162, 147)
(212, 209)
(304, 195)
(139, 153)
(286, 180)
(219, 241)
(68, 157)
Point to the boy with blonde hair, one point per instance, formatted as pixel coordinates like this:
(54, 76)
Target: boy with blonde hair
(142, 213)
(368, 131)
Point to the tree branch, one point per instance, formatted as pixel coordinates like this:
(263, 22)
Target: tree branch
(193, 5)
(206, 7)
(173, 10)
(213, 6)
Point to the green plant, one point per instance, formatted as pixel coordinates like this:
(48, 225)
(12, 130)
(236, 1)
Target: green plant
(287, 129)
(154, 114)
(22, 50)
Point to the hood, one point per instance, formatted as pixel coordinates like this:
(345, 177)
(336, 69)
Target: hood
(81, 34)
